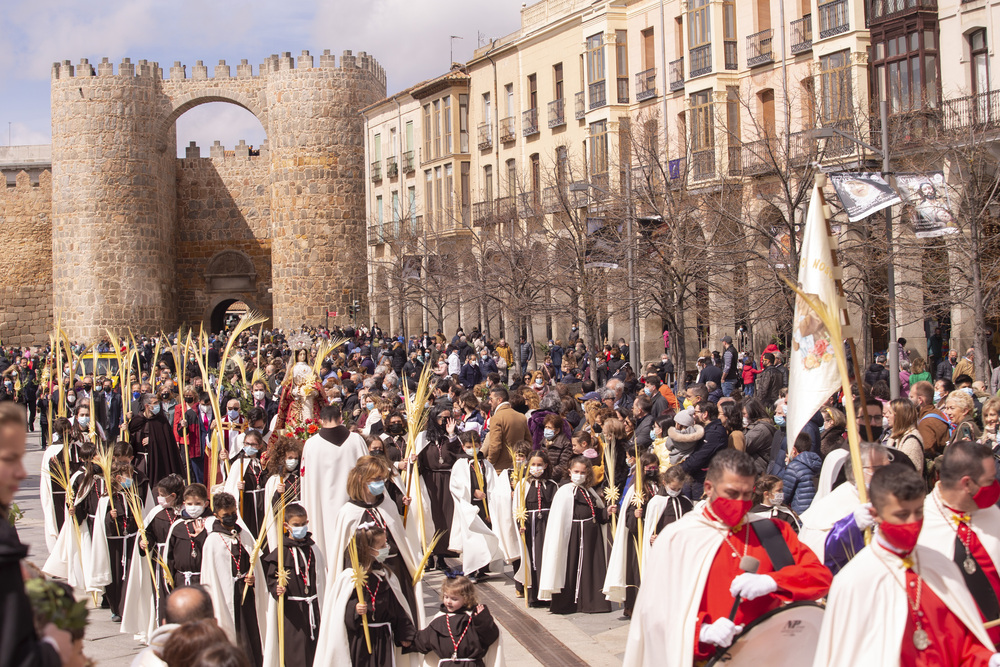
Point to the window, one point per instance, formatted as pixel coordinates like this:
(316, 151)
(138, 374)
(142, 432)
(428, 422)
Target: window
(466, 192)
(488, 182)
(905, 67)
(377, 148)
(511, 178)
(463, 123)
(763, 15)
(766, 100)
(733, 126)
(395, 213)
(449, 190)
(648, 49)
(599, 149)
(429, 195)
(427, 132)
(562, 164)
(621, 64)
(532, 91)
(699, 37)
(729, 32)
(409, 136)
(536, 175)
(446, 123)
(557, 78)
(486, 108)
(411, 206)
(509, 92)
(441, 209)
(393, 142)
(979, 60)
(436, 126)
(702, 135)
(378, 214)
(835, 87)
(595, 58)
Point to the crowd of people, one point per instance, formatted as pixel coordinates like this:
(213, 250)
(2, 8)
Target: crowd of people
(332, 480)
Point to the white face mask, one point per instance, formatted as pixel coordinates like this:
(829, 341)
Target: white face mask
(578, 478)
(382, 555)
(194, 511)
(162, 502)
(470, 452)
(291, 464)
(259, 395)
(536, 471)
(778, 498)
(673, 493)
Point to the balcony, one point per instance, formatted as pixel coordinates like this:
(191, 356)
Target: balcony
(408, 164)
(529, 122)
(880, 11)
(801, 32)
(759, 48)
(581, 106)
(376, 171)
(833, 19)
(623, 90)
(732, 58)
(676, 74)
(736, 160)
(391, 167)
(507, 134)
(375, 235)
(645, 85)
(557, 113)
(701, 60)
(703, 164)
(981, 112)
(598, 95)
(529, 205)
(485, 134)
(552, 201)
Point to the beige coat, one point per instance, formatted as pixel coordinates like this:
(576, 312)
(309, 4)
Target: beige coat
(507, 427)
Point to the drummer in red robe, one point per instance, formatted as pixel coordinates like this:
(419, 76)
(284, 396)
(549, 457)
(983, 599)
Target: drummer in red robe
(897, 603)
(693, 574)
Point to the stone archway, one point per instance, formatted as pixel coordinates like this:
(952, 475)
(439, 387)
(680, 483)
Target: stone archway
(215, 314)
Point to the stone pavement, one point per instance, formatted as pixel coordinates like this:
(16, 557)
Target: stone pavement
(532, 637)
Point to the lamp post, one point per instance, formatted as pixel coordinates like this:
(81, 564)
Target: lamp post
(893, 347)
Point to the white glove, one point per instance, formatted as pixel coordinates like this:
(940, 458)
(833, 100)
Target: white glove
(752, 586)
(721, 633)
(863, 516)
(994, 660)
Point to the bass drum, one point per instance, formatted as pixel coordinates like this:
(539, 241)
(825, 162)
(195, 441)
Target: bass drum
(783, 637)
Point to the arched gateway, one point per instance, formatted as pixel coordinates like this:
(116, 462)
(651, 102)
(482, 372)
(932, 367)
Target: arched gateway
(137, 232)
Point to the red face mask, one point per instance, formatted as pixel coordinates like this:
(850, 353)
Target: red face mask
(987, 495)
(903, 536)
(731, 511)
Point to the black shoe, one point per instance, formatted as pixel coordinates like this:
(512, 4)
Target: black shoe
(441, 565)
(115, 618)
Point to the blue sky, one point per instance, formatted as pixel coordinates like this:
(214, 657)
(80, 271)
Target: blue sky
(410, 38)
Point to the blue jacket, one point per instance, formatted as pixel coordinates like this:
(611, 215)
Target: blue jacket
(800, 485)
(696, 465)
(469, 376)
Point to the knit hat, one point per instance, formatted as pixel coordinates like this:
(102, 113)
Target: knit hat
(684, 419)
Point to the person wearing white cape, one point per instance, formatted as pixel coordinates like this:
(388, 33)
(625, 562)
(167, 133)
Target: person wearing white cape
(389, 624)
(226, 572)
(575, 559)
(115, 533)
(70, 558)
(899, 603)
(327, 457)
(371, 504)
(473, 534)
(53, 498)
(692, 573)
(284, 463)
(962, 523)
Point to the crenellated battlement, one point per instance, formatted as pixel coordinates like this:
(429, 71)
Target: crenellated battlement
(218, 153)
(25, 182)
(222, 71)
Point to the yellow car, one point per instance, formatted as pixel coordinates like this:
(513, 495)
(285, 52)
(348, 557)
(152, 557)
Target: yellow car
(107, 366)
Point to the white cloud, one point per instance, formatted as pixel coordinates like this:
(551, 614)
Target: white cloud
(220, 121)
(19, 134)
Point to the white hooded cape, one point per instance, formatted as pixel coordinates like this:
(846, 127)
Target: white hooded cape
(45, 489)
(333, 648)
(552, 574)
(70, 557)
(478, 545)
(217, 578)
(139, 612)
(867, 608)
(615, 580)
(270, 522)
(99, 569)
(832, 465)
(938, 533)
(676, 570)
(271, 654)
(818, 520)
(502, 513)
(324, 482)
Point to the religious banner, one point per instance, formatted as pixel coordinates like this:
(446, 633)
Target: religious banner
(862, 193)
(927, 206)
(813, 372)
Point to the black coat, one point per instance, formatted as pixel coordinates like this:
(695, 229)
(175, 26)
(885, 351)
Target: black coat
(19, 645)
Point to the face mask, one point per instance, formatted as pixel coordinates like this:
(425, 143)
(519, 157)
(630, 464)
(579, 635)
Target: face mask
(549, 433)
(987, 495)
(127, 483)
(937, 396)
(193, 511)
(903, 536)
(83, 421)
(876, 432)
(135, 395)
(162, 502)
(822, 427)
(233, 415)
(885, 423)
(107, 390)
(250, 451)
(779, 420)
(731, 511)
(536, 471)
(382, 555)
(648, 391)
(376, 488)
(652, 434)
(258, 395)
(578, 478)
(69, 399)
(291, 464)
(203, 409)
(395, 428)
(673, 493)
(369, 406)
(156, 408)
(778, 498)
(470, 453)
(298, 532)
(746, 422)
(539, 383)
(228, 521)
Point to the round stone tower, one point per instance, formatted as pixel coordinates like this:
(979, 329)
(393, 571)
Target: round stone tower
(316, 135)
(113, 200)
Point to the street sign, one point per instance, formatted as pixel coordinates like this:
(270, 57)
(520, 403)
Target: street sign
(331, 313)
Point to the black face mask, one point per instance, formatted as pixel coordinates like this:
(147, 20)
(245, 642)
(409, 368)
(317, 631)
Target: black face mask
(395, 428)
(228, 521)
(876, 431)
(597, 428)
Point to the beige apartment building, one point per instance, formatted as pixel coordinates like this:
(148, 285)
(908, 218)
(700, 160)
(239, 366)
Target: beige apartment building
(550, 123)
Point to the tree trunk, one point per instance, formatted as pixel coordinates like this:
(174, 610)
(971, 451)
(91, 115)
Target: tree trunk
(677, 341)
(981, 340)
(533, 362)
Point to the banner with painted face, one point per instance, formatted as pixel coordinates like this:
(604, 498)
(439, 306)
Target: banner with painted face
(863, 193)
(927, 206)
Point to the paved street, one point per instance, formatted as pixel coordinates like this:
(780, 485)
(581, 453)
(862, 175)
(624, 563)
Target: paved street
(531, 636)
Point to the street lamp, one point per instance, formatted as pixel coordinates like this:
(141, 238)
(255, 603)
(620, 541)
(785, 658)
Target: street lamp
(893, 347)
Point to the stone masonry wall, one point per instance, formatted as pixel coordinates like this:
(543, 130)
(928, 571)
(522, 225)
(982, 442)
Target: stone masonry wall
(26, 272)
(223, 205)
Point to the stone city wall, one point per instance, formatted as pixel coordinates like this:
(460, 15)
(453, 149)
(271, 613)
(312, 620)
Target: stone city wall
(26, 270)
